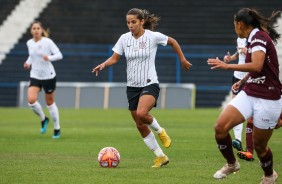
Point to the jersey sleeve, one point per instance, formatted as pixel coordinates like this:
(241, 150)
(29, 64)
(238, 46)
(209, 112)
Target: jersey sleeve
(161, 39)
(55, 52)
(29, 60)
(259, 43)
(118, 48)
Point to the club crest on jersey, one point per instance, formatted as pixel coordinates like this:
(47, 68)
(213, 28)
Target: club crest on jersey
(142, 45)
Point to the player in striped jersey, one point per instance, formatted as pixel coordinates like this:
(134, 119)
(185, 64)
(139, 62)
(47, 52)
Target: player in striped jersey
(139, 46)
(42, 52)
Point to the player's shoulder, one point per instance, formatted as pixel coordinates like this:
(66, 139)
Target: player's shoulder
(46, 39)
(261, 35)
(126, 35)
(30, 41)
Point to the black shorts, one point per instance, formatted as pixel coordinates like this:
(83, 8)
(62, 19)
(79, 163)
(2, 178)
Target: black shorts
(234, 80)
(48, 85)
(134, 93)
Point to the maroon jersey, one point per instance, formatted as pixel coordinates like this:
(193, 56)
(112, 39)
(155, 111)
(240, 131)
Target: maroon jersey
(265, 84)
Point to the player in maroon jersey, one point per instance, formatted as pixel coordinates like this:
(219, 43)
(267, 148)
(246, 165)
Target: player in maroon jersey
(260, 96)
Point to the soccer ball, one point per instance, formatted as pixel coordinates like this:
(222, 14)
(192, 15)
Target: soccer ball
(109, 157)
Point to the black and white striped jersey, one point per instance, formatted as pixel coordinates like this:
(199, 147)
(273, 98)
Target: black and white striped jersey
(140, 56)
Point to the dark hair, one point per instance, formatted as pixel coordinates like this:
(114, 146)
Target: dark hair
(45, 33)
(150, 20)
(253, 18)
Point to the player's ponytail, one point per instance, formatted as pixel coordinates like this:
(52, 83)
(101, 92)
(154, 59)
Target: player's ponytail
(253, 18)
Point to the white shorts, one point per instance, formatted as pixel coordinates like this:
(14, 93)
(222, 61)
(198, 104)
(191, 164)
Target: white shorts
(265, 112)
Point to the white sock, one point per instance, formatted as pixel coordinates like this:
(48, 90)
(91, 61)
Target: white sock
(155, 126)
(54, 113)
(37, 109)
(153, 145)
(238, 131)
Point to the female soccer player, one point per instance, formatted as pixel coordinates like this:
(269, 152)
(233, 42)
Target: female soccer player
(42, 51)
(140, 46)
(260, 96)
(238, 75)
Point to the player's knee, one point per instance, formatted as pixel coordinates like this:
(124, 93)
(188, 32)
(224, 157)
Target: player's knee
(31, 100)
(142, 115)
(220, 132)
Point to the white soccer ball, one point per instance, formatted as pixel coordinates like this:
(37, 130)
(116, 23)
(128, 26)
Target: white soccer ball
(109, 157)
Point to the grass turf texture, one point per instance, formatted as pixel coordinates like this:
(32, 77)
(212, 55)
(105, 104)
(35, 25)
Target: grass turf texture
(26, 156)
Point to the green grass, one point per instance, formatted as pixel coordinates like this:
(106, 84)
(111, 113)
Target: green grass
(26, 156)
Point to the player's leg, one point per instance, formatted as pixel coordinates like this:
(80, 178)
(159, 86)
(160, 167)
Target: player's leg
(261, 138)
(229, 117)
(49, 87)
(248, 154)
(148, 99)
(265, 119)
(235, 113)
(146, 103)
(237, 143)
(33, 92)
(150, 141)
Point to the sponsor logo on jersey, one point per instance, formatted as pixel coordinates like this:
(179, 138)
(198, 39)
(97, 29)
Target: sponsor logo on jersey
(258, 41)
(259, 80)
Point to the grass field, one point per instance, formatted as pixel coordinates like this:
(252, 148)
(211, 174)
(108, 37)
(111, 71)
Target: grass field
(26, 156)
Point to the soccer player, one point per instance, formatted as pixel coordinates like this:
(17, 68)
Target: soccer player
(260, 96)
(238, 75)
(140, 46)
(42, 52)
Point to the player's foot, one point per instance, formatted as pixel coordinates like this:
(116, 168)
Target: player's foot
(159, 162)
(44, 124)
(165, 138)
(57, 134)
(245, 155)
(237, 144)
(269, 179)
(227, 169)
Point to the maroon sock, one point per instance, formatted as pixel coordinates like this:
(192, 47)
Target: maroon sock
(266, 163)
(249, 137)
(225, 147)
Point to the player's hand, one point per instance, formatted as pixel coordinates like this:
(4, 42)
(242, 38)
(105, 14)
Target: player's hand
(227, 58)
(186, 65)
(216, 63)
(45, 58)
(26, 66)
(235, 87)
(242, 50)
(98, 68)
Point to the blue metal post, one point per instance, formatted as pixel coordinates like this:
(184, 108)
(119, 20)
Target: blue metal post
(178, 70)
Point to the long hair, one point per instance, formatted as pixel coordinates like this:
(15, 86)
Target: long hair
(150, 20)
(253, 18)
(45, 32)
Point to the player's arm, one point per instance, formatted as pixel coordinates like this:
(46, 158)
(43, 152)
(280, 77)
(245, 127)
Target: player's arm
(254, 66)
(27, 64)
(110, 61)
(176, 47)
